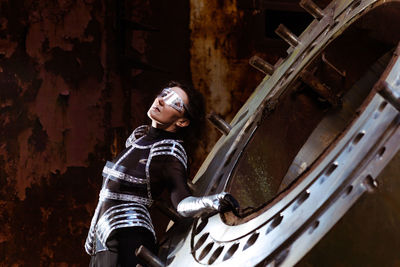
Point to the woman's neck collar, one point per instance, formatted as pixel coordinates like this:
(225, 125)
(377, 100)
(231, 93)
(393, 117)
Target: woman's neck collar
(161, 133)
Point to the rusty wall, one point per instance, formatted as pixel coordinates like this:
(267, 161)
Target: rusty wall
(52, 75)
(223, 38)
(75, 77)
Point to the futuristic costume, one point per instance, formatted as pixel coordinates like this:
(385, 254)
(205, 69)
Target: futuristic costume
(126, 192)
(152, 161)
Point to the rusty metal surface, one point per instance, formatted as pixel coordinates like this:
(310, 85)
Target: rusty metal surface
(75, 78)
(283, 228)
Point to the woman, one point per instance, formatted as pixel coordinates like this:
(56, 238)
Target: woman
(154, 159)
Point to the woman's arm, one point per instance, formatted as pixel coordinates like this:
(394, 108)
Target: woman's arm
(198, 206)
(189, 206)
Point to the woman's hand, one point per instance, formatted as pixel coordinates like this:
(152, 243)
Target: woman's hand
(199, 206)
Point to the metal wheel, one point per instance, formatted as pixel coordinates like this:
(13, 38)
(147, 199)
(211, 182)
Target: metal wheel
(307, 144)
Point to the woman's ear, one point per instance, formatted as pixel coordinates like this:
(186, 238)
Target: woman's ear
(182, 122)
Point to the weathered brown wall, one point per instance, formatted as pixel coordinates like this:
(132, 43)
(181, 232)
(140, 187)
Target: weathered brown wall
(52, 129)
(75, 77)
(223, 39)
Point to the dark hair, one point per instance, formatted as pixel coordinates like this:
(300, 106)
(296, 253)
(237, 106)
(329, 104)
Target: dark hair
(195, 112)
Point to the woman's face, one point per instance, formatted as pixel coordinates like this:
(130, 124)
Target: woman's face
(166, 111)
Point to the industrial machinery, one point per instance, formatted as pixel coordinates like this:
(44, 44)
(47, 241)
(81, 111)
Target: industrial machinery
(310, 140)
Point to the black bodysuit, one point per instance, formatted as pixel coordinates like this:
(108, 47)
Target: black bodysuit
(152, 161)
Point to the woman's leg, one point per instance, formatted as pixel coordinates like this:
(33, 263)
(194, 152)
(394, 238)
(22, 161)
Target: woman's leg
(129, 239)
(122, 244)
(108, 258)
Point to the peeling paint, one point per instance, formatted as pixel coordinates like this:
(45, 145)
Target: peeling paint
(219, 59)
(64, 97)
(52, 83)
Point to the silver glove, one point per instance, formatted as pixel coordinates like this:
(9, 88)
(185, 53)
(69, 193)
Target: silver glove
(197, 206)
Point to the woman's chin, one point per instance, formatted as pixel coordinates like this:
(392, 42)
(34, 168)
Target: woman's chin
(152, 115)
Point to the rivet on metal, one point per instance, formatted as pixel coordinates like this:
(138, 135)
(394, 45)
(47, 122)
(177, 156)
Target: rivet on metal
(300, 199)
(219, 123)
(201, 241)
(380, 153)
(390, 95)
(312, 8)
(313, 227)
(253, 238)
(275, 222)
(370, 184)
(148, 257)
(231, 251)
(331, 168)
(261, 65)
(320, 88)
(287, 35)
(215, 255)
(206, 250)
(333, 67)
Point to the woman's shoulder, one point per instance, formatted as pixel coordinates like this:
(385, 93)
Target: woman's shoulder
(136, 134)
(170, 150)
